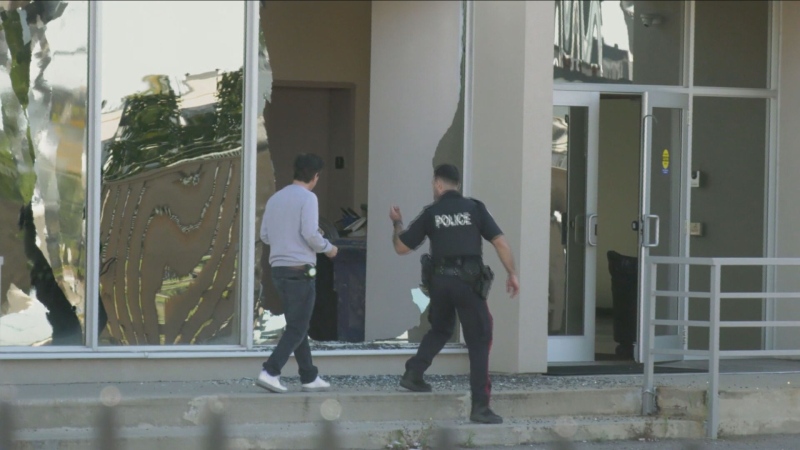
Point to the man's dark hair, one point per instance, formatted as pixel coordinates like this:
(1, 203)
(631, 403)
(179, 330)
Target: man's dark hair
(306, 166)
(448, 173)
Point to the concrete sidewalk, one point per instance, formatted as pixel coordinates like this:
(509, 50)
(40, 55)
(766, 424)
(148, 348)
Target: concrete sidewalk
(372, 412)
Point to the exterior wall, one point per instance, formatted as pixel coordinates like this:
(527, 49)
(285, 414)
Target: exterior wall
(185, 366)
(510, 160)
(788, 234)
(416, 56)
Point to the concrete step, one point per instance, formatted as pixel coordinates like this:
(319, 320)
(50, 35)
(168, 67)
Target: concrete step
(260, 407)
(373, 435)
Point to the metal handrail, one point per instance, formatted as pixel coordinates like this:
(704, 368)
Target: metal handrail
(715, 295)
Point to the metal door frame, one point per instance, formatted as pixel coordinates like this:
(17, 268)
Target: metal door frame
(681, 101)
(581, 348)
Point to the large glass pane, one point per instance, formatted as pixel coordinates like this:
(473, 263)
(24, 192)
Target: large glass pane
(612, 41)
(732, 43)
(665, 203)
(43, 67)
(568, 220)
(322, 66)
(729, 151)
(171, 131)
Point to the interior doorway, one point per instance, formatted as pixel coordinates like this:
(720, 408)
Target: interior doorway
(618, 192)
(315, 118)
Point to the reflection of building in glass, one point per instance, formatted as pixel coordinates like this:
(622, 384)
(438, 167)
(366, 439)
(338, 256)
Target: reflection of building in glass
(580, 52)
(42, 173)
(170, 211)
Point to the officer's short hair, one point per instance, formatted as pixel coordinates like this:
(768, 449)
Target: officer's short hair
(448, 173)
(306, 166)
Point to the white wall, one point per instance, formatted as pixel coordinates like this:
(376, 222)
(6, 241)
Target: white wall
(788, 236)
(416, 55)
(511, 158)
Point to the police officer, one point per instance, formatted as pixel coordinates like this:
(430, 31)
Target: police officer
(455, 225)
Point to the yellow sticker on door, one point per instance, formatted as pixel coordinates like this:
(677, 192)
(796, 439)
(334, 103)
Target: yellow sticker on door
(665, 162)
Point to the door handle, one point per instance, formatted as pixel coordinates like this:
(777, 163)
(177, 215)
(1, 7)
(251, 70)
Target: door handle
(646, 234)
(591, 230)
(576, 225)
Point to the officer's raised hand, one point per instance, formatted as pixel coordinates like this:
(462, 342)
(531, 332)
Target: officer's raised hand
(395, 214)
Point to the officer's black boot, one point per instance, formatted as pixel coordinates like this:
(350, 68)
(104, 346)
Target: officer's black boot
(413, 382)
(482, 414)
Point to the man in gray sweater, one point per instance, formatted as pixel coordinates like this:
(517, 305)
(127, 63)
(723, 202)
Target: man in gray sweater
(291, 228)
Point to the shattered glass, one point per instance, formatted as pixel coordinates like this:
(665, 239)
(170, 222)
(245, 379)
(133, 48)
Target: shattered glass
(171, 177)
(43, 95)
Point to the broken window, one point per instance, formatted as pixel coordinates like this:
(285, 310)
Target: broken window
(320, 97)
(43, 86)
(171, 179)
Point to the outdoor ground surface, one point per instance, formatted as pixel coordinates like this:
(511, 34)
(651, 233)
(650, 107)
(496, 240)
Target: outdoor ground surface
(778, 442)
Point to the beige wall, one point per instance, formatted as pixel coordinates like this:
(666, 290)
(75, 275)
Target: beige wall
(325, 41)
(617, 187)
(511, 141)
(416, 56)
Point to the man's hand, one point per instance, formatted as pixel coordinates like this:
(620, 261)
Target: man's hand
(512, 285)
(395, 214)
(332, 252)
(397, 229)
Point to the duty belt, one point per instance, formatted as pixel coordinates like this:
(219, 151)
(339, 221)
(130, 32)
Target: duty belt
(449, 271)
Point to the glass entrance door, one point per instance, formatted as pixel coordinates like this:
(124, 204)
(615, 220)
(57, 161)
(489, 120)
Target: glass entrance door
(664, 207)
(573, 226)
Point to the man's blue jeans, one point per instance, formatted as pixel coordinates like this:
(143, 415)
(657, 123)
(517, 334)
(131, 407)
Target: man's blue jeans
(298, 293)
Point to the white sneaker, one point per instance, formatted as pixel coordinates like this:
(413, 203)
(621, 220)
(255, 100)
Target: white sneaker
(270, 383)
(317, 385)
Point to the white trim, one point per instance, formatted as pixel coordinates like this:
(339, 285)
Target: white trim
(249, 175)
(641, 88)
(94, 176)
(773, 157)
(238, 352)
(688, 43)
(561, 348)
(466, 184)
(686, 209)
(776, 24)
(466, 169)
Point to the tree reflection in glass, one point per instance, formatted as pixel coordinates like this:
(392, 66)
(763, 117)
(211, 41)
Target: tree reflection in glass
(172, 131)
(43, 85)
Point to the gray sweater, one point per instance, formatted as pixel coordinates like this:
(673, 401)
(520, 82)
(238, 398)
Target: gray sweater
(291, 227)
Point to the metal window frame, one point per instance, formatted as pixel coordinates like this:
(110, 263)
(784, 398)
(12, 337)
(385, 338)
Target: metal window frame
(249, 176)
(770, 94)
(246, 260)
(94, 176)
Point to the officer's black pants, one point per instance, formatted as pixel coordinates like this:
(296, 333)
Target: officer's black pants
(450, 295)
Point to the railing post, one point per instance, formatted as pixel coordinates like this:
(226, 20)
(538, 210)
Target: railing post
(329, 437)
(215, 437)
(106, 429)
(7, 425)
(713, 342)
(648, 337)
